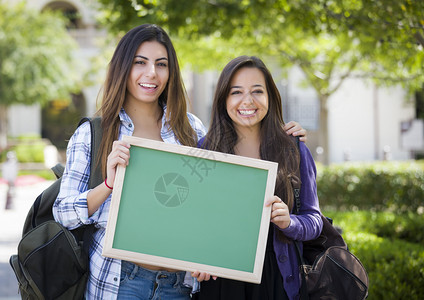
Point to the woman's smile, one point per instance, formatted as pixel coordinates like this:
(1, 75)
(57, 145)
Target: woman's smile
(148, 87)
(247, 112)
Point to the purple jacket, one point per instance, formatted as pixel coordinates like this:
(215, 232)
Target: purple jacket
(303, 227)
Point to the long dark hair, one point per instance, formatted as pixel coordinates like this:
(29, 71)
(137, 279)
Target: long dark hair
(275, 145)
(114, 90)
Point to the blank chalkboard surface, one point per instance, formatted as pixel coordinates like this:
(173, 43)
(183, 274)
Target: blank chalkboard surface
(191, 209)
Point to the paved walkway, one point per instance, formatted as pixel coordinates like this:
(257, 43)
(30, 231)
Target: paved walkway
(11, 223)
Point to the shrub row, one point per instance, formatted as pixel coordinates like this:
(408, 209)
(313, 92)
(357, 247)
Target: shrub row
(395, 267)
(395, 186)
(31, 152)
(28, 148)
(408, 227)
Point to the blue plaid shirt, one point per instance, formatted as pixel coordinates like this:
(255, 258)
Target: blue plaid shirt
(70, 208)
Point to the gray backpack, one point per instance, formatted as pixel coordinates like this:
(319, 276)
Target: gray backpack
(52, 261)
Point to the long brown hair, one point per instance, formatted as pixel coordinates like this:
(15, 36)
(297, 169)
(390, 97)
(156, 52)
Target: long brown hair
(114, 89)
(275, 145)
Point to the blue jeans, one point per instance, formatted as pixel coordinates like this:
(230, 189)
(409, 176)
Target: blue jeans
(140, 283)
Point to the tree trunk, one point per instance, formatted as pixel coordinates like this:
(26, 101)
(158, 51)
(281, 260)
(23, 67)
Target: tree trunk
(3, 127)
(323, 130)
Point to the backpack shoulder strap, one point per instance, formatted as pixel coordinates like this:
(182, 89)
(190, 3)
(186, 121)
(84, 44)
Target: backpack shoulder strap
(296, 183)
(96, 137)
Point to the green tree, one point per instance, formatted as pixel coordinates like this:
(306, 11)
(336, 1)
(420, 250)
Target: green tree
(329, 40)
(36, 64)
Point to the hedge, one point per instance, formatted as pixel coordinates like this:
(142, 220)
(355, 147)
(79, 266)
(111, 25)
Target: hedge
(395, 267)
(28, 148)
(395, 186)
(408, 227)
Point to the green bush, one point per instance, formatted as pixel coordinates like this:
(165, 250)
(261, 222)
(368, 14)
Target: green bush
(46, 173)
(30, 152)
(408, 227)
(28, 137)
(28, 148)
(395, 186)
(395, 267)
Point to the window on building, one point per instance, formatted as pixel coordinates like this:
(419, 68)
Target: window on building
(303, 109)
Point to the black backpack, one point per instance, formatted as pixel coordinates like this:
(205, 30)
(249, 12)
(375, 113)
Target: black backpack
(52, 261)
(328, 269)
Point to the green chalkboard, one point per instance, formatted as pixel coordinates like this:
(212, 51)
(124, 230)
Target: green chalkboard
(191, 209)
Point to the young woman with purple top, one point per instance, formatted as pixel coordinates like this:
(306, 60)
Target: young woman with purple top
(247, 120)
